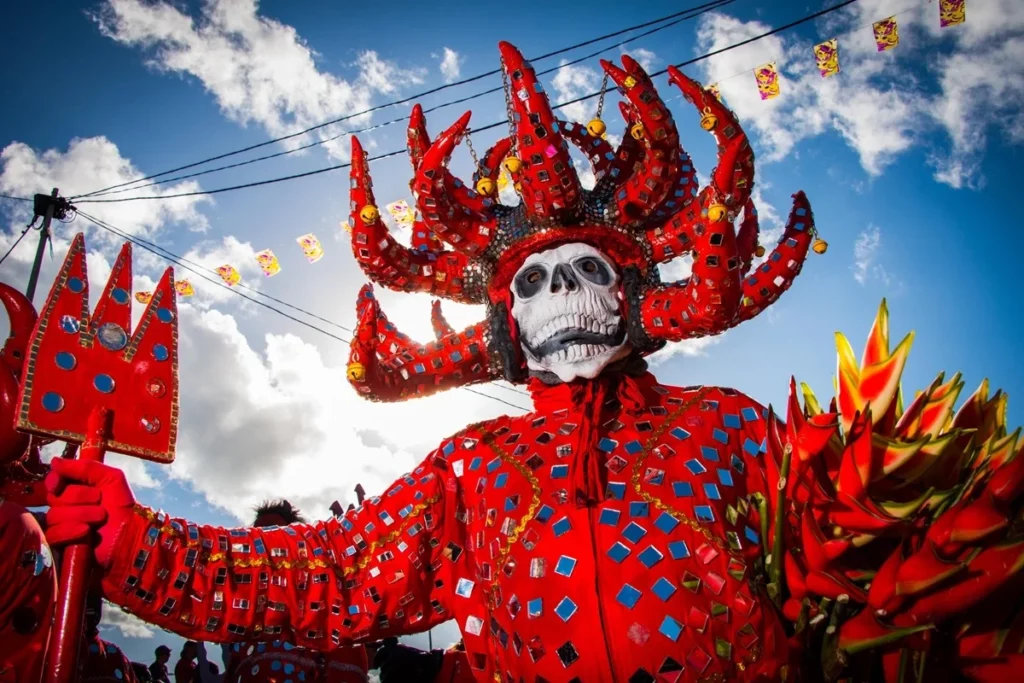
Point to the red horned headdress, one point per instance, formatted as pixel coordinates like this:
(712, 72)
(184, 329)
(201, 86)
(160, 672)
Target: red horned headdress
(644, 210)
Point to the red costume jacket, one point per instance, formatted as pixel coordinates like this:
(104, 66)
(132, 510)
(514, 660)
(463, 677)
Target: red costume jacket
(276, 662)
(28, 585)
(103, 662)
(655, 581)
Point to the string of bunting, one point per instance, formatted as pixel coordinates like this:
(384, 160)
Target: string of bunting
(826, 54)
(826, 57)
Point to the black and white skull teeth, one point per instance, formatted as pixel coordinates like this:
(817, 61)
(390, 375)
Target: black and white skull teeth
(575, 335)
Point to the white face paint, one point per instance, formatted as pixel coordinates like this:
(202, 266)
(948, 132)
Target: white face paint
(565, 301)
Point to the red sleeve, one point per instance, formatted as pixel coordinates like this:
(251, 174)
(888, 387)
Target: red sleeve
(383, 569)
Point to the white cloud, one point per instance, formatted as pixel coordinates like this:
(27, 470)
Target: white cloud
(258, 69)
(881, 104)
(451, 65)
(254, 424)
(865, 254)
(129, 625)
(88, 164)
(572, 81)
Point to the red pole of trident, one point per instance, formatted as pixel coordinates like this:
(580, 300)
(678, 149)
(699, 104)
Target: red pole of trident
(89, 380)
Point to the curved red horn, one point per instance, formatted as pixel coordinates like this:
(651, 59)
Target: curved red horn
(713, 299)
(746, 238)
(456, 360)
(389, 263)
(464, 227)
(417, 140)
(735, 180)
(22, 317)
(437, 320)
(549, 185)
(646, 188)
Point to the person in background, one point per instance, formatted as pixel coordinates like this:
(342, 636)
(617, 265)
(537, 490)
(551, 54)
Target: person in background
(185, 669)
(142, 674)
(158, 669)
(100, 661)
(404, 664)
(343, 665)
(206, 671)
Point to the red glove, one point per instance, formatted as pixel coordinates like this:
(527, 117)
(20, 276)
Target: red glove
(87, 497)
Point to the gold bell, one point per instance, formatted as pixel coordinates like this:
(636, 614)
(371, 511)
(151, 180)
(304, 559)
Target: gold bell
(518, 188)
(356, 372)
(369, 213)
(513, 165)
(820, 246)
(716, 212)
(485, 186)
(637, 131)
(759, 252)
(596, 128)
(708, 121)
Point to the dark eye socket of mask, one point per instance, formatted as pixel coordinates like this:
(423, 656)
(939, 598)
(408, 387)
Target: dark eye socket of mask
(594, 270)
(530, 281)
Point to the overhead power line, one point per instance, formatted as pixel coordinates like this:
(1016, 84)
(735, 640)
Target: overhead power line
(119, 189)
(198, 270)
(17, 199)
(705, 7)
(583, 98)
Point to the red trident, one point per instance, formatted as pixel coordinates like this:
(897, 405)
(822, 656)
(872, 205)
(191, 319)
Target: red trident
(89, 380)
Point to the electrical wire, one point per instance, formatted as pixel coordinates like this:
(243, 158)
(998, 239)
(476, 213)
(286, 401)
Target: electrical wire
(17, 199)
(714, 4)
(16, 242)
(378, 157)
(402, 119)
(185, 264)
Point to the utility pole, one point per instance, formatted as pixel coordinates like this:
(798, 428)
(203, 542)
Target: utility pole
(50, 204)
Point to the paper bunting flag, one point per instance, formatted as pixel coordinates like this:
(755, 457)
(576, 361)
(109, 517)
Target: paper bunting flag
(952, 12)
(183, 288)
(229, 275)
(346, 227)
(887, 34)
(401, 212)
(311, 247)
(827, 56)
(767, 81)
(713, 89)
(143, 297)
(268, 263)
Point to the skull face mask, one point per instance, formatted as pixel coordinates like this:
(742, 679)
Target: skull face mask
(566, 304)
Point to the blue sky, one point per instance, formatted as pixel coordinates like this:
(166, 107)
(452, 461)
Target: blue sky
(908, 158)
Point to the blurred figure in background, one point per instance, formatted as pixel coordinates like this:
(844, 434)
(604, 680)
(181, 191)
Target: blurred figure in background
(185, 669)
(256, 662)
(100, 661)
(404, 664)
(158, 669)
(142, 674)
(206, 671)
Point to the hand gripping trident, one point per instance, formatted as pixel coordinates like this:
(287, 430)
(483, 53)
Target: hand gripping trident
(88, 380)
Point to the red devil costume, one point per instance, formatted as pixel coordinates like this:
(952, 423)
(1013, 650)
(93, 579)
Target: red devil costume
(622, 531)
(27, 578)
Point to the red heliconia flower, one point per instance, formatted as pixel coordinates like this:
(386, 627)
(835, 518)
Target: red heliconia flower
(904, 526)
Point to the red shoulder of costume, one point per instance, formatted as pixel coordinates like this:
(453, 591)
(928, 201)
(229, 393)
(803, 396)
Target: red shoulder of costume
(28, 588)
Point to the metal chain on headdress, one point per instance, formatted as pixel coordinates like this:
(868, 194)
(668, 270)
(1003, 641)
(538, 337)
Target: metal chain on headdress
(468, 137)
(508, 110)
(600, 101)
